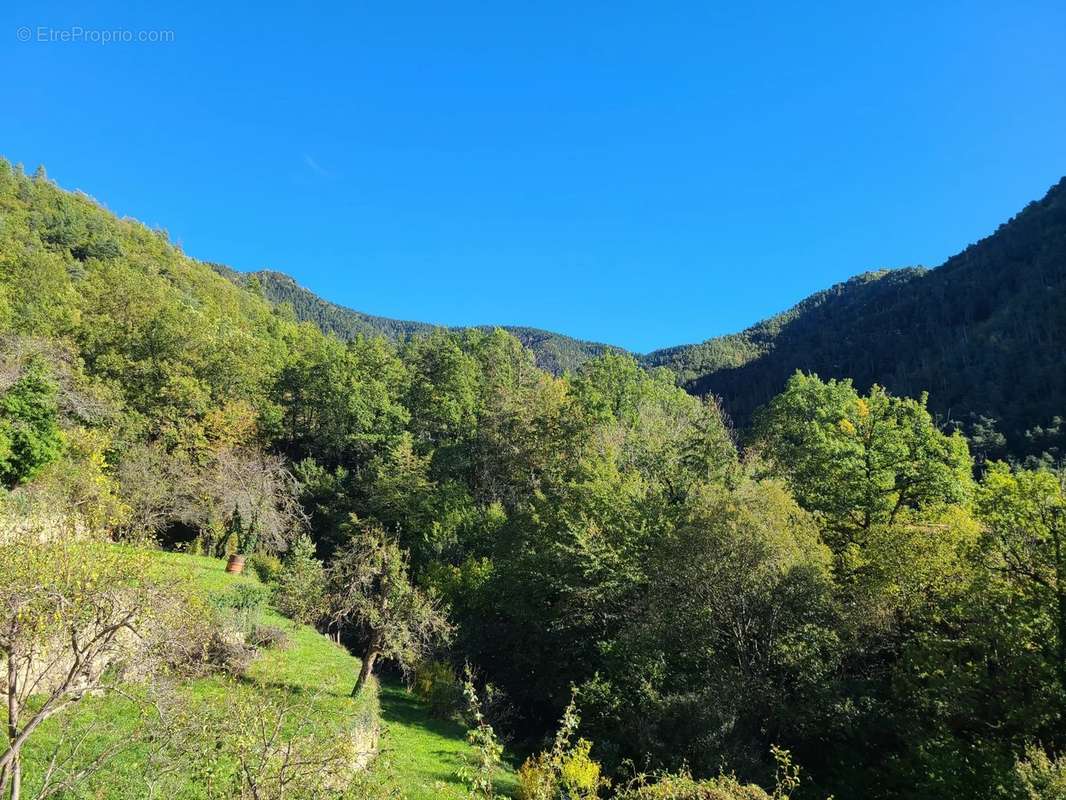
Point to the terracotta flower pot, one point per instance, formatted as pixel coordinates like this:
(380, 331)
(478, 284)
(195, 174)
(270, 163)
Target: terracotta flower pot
(235, 564)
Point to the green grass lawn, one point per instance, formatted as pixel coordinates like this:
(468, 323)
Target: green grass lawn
(421, 754)
(425, 752)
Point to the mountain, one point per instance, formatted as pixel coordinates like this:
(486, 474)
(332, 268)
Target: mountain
(554, 352)
(983, 333)
(693, 361)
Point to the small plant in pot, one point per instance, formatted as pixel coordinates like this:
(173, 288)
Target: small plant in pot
(247, 537)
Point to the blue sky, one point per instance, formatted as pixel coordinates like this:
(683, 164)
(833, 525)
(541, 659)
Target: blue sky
(645, 174)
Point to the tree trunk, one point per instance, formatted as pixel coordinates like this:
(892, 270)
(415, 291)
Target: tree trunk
(11, 774)
(367, 669)
(16, 778)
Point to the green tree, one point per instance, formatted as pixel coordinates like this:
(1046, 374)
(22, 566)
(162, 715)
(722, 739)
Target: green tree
(371, 594)
(1025, 515)
(732, 645)
(443, 392)
(860, 461)
(300, 590)
(29, 426)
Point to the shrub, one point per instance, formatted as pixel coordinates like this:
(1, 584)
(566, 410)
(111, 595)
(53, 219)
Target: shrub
(244, 597)
(567, 770)
(265, 566)
(573, 774)
(228, 652)
(436, 683)
(536, 779)
(478, 771)
(579, 774)
(29, 426)
(242, 607)
(267, 636)
(258, 745)
(684, 787)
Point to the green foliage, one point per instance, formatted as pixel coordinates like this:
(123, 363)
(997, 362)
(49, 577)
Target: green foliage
(437, 684)
(1041, 777)
(371, 595)
(300, 586)
(480, 770)
(1025, 515)
(29, 426)
(266, 567)
(566, 771)
(861, 461)
(242, 607)
(683, 786)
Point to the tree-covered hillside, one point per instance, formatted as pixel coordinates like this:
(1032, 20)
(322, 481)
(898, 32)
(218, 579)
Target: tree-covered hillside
(983, 334)
(693, 361)
(553, 351)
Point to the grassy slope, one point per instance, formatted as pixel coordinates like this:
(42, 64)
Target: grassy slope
(421, 753)
(425, 752)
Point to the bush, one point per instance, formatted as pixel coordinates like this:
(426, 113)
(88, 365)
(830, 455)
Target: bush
(536, 779)
(228, 652)
(242, 607)
(244, 597)
(566, 770)
(266, 567)
(573, 774)
(265, 637)
(580, 775)
(259, 745)
(684, 787)
(437, 684)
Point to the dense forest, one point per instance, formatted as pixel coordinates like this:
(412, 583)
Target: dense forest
(982, 334)
(837, 602)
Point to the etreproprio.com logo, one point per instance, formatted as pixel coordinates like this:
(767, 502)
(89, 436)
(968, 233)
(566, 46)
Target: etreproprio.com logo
(76, 34)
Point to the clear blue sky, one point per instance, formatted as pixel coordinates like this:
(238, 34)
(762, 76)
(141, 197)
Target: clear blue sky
(645, 174)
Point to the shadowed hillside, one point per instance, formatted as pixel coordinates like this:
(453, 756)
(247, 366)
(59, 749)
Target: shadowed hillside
(982, 333)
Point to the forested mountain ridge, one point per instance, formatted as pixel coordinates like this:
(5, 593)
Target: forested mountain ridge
(693, 361)
(982, 334)
(554, 352)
